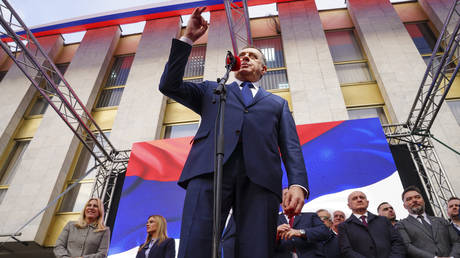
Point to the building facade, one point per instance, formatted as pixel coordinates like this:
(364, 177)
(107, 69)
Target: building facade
(366, 60)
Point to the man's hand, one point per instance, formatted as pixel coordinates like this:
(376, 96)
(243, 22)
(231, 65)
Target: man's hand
(293, 201)
(197, 25)
(282, 230)
(292, 233)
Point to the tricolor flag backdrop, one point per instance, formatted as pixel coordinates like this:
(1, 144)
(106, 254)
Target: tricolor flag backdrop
(341, 157)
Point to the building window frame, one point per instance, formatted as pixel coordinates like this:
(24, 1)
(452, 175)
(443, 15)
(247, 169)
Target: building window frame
(382, 107)
(106, 88)
(363, 60)
(10, 161)
(164, 127)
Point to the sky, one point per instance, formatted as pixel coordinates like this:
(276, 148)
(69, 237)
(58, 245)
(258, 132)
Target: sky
(38, 12)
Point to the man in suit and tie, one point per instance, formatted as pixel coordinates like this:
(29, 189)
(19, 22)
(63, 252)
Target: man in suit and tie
(258, 126)
(300, 236)
(453, 207)
(426, 236)
(364, 234)
(330, 246)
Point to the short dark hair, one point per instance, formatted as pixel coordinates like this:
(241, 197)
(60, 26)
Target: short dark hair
(378, 207)
(410, 188)
(453, 198)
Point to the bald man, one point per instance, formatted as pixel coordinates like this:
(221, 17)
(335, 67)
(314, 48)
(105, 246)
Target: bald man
(364, 234)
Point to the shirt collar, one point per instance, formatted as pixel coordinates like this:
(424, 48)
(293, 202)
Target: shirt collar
(256, 84)
(416, 215)
(359, 215)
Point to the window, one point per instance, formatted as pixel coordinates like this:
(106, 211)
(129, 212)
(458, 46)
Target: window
(276, 76)
(195, 66)
(180, 130)
(115, 83)
(424, 39)
(40, 105)
(10, 165)
(75, 199)
(454, 106)
(350, 63)
(368, 112)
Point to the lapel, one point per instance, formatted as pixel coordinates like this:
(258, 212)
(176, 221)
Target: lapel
(434, 225)
(235, 89)
(296, 220)
(370, 217)
(282, 219)
(353, 219)
(419, 225)
(261, 93)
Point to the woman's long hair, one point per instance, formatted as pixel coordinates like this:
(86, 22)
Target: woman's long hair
(162, 233)
(100, 226)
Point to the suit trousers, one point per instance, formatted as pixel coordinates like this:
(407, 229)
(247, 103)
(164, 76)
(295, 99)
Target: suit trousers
(255, 211)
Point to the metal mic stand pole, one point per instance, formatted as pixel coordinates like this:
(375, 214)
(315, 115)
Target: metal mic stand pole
(221, 90)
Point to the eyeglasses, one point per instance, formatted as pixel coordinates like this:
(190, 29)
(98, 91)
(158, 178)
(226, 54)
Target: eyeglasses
(324, 218)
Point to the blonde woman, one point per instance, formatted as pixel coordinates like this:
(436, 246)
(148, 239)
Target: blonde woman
(157, 244)
(87, 237)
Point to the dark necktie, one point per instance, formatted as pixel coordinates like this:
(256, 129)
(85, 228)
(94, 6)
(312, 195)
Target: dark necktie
(246, 92)
(425, 224)
(291, 224)
(363, 219)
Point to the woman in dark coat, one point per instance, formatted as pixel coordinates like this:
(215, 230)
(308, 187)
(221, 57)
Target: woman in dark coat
(157, 244)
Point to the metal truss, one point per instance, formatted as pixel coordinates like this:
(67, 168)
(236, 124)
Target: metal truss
(107, 176)
(437, 80)
(24, 49)
(427, 163)
(238, 24)
(439, 76)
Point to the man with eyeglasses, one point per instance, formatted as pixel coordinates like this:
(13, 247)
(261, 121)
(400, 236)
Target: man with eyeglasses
(386, 210)
(330, 247)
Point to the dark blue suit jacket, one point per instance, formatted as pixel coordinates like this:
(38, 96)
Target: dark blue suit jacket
(379, 239)
(167, 249)
(266, 127)
(331, 246)
(315, 230)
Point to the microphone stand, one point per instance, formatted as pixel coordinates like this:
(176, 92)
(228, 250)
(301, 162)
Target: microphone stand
(220, 90)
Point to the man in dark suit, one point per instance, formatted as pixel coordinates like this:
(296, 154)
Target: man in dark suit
(300, 235)
(330, 246)
(364, 234)
(426, 236)
(453, 207)
(258, 126)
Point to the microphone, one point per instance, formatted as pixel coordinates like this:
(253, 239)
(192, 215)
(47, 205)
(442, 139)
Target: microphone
(233, 61)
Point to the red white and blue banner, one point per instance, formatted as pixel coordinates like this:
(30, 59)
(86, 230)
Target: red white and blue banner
(159, 9)
(341, 157)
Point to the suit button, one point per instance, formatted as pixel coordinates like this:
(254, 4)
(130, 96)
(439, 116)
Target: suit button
(246, 111)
